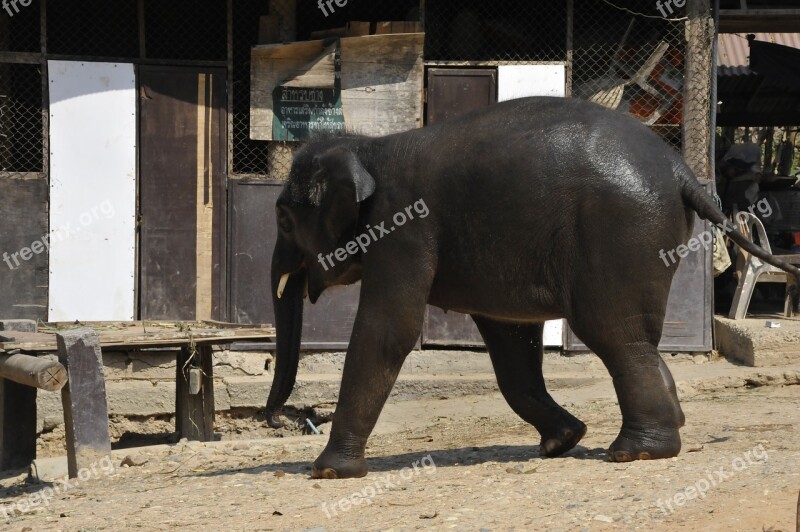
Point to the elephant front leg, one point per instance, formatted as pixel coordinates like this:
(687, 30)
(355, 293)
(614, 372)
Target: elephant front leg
(384, 333)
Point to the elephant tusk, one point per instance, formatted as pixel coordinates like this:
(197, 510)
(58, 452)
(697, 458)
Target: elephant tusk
(305, 293)
(282, 284)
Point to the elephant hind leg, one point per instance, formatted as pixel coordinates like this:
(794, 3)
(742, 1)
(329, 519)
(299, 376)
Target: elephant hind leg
(516, 351)
(648, 399)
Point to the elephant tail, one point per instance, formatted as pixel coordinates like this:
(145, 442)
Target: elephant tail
(696, 197)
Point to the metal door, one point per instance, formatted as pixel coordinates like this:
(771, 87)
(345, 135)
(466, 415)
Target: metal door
(183, 193)
(452, 93)
(687, 325)
(253, 226)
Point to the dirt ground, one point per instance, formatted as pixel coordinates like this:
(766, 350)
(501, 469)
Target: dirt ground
(465, 463)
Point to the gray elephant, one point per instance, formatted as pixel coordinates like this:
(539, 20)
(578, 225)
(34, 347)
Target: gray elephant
(531, 210)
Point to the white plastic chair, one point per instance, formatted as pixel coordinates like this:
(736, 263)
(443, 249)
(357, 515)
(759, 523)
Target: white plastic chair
(754, 270)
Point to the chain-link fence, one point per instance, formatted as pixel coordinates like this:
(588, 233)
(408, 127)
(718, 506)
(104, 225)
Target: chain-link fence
(475, 30)
(249, 156)
(186, 29)
(631, 62)
(21, 32)
(93, 28)
(21, 132)
(625, 55)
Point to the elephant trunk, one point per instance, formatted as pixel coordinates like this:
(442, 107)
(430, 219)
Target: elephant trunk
(288, 291)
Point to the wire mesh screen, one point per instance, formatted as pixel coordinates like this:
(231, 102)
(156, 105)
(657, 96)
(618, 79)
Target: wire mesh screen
(186, 29)
(508, 30)
(632, 63)
(21, 135)
(93, 28)
(249, 156)
(20, 28)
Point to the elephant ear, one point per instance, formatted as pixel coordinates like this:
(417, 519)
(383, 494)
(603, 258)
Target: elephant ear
(343, 184)
(341, 169)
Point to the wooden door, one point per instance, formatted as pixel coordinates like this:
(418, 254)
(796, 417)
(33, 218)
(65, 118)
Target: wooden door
(452, 93)
(183, 193)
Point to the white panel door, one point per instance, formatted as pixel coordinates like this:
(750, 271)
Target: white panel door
(520, 81)
(92, 191)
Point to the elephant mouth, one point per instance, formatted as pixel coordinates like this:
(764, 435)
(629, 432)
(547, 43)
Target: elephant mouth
(312, 290)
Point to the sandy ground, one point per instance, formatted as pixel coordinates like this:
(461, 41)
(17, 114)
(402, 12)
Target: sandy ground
(465, 463)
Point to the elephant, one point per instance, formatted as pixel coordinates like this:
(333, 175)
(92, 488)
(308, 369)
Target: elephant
(537, 209)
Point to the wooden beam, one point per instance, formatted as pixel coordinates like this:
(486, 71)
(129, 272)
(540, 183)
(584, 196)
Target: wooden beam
(697, 89)
(41, 373)
(20, 57)
(759, 20)
(741, 119)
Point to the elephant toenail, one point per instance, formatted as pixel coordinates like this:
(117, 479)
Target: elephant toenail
(327, 473)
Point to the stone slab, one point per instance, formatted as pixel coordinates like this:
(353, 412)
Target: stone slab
(752, 343)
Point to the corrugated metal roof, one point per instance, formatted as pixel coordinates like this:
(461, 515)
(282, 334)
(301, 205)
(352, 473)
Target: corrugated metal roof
(734, 51)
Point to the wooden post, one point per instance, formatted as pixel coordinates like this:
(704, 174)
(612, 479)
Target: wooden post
(17, 425)
(697, 132)
(84, 399)
(41, 373)
(17, 412)
(194, 413)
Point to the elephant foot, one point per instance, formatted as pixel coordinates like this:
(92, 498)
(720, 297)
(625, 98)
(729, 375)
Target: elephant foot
(650, 444)
(331, 465)
(273, 419)
(562, 439)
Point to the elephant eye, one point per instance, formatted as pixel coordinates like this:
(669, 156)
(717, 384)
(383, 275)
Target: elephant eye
(317, 192)
(284, 222)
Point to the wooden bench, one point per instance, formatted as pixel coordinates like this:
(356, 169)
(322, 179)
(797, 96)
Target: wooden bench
(78, 374)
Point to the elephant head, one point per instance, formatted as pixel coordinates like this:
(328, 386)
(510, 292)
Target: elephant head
(317, 213)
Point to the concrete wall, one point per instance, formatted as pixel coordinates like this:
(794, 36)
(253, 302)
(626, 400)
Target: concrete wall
(142, 384)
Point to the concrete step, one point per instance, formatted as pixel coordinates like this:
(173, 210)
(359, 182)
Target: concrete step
(752, 343)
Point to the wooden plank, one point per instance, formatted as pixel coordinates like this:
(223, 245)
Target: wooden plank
(40, 373)
(24, 248)
(149, 335)
(205, 198)
(84, 399)
(194, 413)
(17, 425)
(382, 81)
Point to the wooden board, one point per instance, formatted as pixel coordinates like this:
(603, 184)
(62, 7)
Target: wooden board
(382, 81)
(23, 283)
(142, 334)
